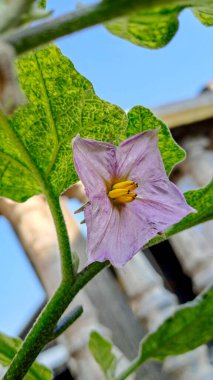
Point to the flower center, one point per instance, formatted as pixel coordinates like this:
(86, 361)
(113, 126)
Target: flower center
(121, 192)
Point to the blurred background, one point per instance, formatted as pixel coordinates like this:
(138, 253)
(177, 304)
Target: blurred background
(175, 82)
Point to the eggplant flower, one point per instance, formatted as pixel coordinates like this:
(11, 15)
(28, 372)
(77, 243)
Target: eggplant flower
(130, 196)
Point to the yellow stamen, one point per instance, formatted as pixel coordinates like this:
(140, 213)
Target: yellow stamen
(113, 194)
(126, 198)
(122, 185)
(121, 191)
(133, 186)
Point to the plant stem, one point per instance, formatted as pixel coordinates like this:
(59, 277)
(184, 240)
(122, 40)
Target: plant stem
(42, 331)
(27, 38)
(38, 337)
(67, 321)
(132, 368)
(67, 269)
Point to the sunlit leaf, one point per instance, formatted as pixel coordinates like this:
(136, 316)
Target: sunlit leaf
(152, 29)
(8, 348)
(101, 349)
(205, 15)
(35, 146)
(154, 26)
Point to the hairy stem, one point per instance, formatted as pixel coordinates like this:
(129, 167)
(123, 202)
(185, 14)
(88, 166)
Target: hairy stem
(43, 329)
(38, 337)
(31, 37)
(41, 332)
(67, 269)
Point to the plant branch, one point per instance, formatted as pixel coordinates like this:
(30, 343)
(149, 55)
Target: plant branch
(28, 38)
(67, 321)
(67, 269)
(42, 331)
(39, 335)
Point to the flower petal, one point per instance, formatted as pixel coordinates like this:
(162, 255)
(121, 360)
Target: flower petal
(139, 158)
(95, 163)
(118, 234)
(163, 191)
(115, 234)
(161, 215)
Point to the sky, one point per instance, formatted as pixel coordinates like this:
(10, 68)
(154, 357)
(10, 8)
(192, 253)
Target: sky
(126, 75)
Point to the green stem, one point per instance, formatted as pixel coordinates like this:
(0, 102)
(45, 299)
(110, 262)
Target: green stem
(128, 371)
(67, 269)
(42, 331)
(28, 38)
(67, 321)
(38, 337)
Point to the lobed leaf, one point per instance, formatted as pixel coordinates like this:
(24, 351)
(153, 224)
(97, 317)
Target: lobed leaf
(36, 142)
(101, 349)
(189, 327)
(8, 348)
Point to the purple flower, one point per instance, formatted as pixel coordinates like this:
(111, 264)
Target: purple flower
(130, 197)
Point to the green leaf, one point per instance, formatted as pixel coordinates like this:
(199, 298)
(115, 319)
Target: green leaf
(201, 200)
(189, 327)
(142, 119)
(155, 26)
(101, 349)
(205, 15)
(36, 142)
(152, 28)
(8, 348)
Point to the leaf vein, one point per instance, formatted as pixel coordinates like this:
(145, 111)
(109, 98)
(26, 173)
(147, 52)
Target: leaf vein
(49, 112)
(19, 144)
